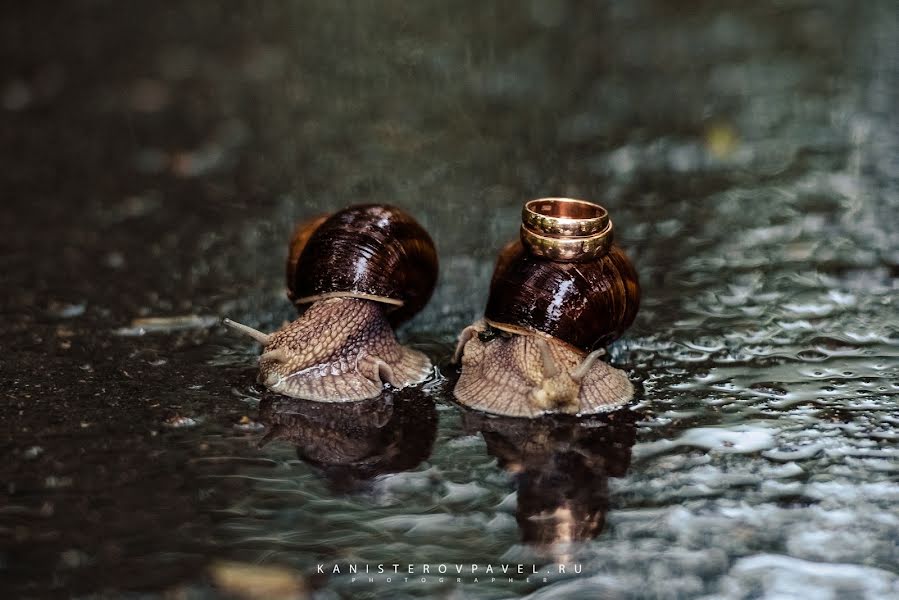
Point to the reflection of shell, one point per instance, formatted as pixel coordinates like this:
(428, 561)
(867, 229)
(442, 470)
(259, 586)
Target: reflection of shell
(354, 441)
(562, 466)
(584, 304)
(371, 250)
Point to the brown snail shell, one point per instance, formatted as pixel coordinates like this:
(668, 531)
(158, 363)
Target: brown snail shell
(371, 251)
(555, 300)
(587, 305)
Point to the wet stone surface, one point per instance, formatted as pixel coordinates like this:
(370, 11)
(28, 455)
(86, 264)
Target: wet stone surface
(156, 159)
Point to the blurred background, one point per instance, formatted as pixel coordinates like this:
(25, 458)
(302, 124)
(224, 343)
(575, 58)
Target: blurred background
(155, 159)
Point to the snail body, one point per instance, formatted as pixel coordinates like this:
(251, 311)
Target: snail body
(353, 275)
(545, 325)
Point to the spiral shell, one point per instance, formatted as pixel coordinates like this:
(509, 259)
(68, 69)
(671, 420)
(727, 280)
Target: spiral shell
(372, 251)
(584, 304)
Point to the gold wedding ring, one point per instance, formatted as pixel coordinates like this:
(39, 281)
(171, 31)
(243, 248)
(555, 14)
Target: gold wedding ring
(566, 229)
(564, 217)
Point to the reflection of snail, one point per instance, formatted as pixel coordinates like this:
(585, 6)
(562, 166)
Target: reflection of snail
(353, 275)
(561, 466)
(557, 297)
(354, 442)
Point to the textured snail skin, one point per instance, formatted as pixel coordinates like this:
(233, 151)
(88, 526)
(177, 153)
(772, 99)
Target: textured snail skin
(510, 374)
(339, 350)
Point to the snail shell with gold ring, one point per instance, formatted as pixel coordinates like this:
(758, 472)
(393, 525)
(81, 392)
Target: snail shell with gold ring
(547, 321)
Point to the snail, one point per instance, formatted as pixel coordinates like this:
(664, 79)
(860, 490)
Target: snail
(561, 467)
(558, 296)
(353, 276)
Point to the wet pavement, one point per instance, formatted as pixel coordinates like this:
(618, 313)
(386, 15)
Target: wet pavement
(156, 159)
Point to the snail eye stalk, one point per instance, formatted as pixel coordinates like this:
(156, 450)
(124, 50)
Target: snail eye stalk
(262, 338)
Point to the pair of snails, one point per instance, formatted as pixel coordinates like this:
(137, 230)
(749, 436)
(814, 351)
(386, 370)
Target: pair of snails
(557, 297)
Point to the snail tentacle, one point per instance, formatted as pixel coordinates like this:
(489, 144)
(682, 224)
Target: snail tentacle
(467, 333)
(262, 338)
(550, 369)
(385, 373)
(581, 371)
(277, 355)
(381, 372)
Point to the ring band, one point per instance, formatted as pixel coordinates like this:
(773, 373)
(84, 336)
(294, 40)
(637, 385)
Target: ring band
(568, 249)
(564, 217)
(565, 229)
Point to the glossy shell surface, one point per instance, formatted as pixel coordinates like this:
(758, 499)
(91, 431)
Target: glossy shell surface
(371, 250)
(586, 304)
